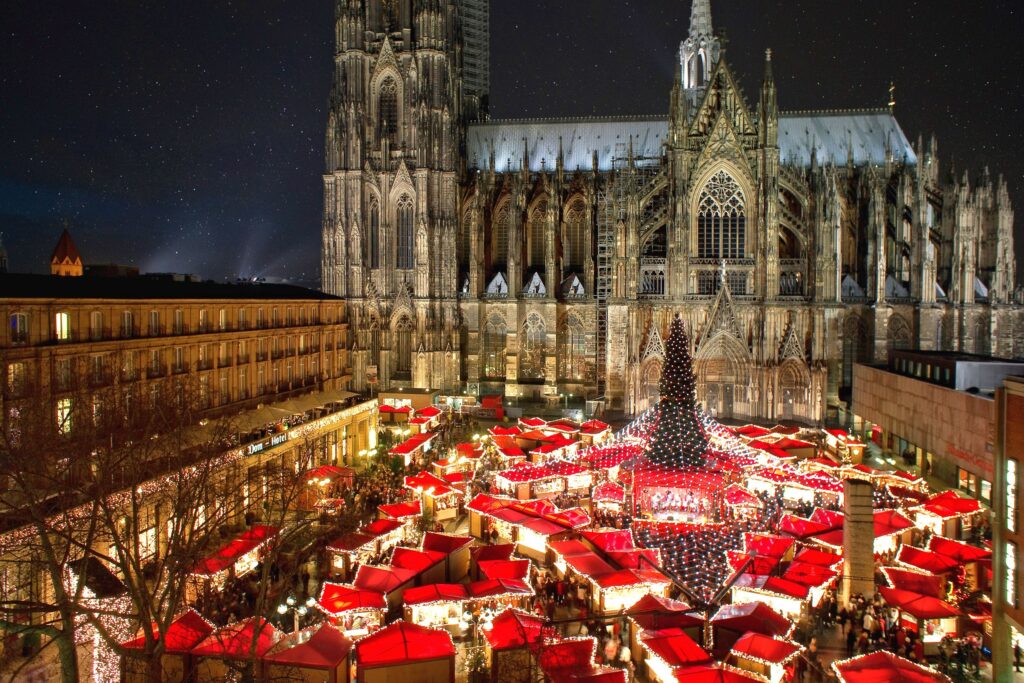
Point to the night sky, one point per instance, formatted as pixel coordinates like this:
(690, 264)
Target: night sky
(188, 136)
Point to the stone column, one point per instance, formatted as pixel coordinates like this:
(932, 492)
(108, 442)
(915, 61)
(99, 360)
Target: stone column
(858, 540)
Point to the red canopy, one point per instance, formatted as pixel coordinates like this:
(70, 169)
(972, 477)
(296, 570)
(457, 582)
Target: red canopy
(809, 574)
(330, 472)
(736, 495)
(609, 539)
(714, 673)
(751, 431)
(416, 560)
(594, 427)
(764, 544)
(337, 598)
(927, 584)
(759, 564)
(800, 527)
(609, 492)
(761, 647)
(676, 648)
(629, 577)
(953, 501)
(182, 635)
(402, 643)
(885, 667)
(514, 629)
(918, 605)
(492, 552)
(226, 556)
(249, 638)
(654, 611)
(752, 616)
(444, 543)
(926, 560)
(568, 655)
(379, 527)
(382, 579)
(429, 411)
(411, 444)
(325, 649)
(489, 588)
(435, 592)
(819, 557)
(504, 569)
(400, 510)
(888, 522)
(961, 552)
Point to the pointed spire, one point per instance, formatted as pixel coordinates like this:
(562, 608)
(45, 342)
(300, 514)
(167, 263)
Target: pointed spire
(700, 18)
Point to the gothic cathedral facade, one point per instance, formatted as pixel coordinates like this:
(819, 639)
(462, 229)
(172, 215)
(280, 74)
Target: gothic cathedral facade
(542, 258)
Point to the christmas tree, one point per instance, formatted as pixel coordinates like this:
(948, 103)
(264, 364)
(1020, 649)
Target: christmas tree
(678, 439)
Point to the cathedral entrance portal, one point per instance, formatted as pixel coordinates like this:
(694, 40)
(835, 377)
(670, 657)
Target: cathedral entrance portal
(711, 400)
(727, 391)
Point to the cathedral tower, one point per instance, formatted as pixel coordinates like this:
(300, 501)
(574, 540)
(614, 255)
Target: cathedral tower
(394, 138)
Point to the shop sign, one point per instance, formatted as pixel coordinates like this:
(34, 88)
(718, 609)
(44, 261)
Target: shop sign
(265, 444)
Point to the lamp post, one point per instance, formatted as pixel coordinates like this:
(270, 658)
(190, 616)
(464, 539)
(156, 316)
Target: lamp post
(291, 604)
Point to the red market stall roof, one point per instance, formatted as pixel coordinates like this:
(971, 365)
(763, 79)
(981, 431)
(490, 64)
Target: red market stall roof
(801, 527)
(491, 588)
(759, 563)
(833, 518)
(327, 648)
(961, 552)
(675, 647)
(415, 560)
(226, 556)
(402, 643)
(785, 429)
(330, 472)
(752, 616)
(767, 545)
(761, 647)
(593, 427)
(751, 431)
(562, 658)
(353, 540)
(392, 409)
(819, 557)
(563, 425)
(629, 577)
(926, 560)
(654, 611)
(610, 539)
(243, 640)
(920, 606)
(907, 476)
(526, 472)
(889, 522)
(588, 564)
(641, 558)
(484, 553)
(469, 450)
(511, 430)
(401, 510)
(714, 673)
(411, 444)
(381, 579)
(505, 569)
(955, 502)
(182, 635)
(737, 496)
(514, 629)
(338, 598)
(926, 584)
(907, 494)
(822, 461)
(541, 516)
(419, 421)
(444, 543)
(813, 575)
(430, 485)
(609, 492)
(379, 527)
(532, 422)
(435, 592)
(885, 667)
(428, 412)
(787, 443)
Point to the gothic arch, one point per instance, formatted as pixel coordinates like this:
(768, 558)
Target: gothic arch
(899, 334)
(855, 346)
(740, 175)
(575, 354)
(982, 334)
(537, 221)
(574, 254)
(650, 382)
(402, 330)
(532, 343)
(493, 346)
(501, 227)
(404, 222)
(723, 212)
(722, 367)
(387, 77)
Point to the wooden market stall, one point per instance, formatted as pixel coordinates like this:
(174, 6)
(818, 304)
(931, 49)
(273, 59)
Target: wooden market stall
(436, 605)
(235, 646)
(176, 663)
(511, 641)
(363, 546)
(884, 666)
(441, 500)
(772, 658)
(355, 611)
(930, 617)
(730, 622)
(236, 558)
(318, 655)
(406, 652)
(668, 649)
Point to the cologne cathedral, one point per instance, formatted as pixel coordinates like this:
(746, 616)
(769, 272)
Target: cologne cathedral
(543, 258)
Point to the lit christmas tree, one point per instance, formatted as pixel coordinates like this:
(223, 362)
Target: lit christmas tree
(679, 439)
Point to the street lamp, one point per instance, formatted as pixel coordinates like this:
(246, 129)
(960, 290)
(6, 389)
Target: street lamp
(291, 604)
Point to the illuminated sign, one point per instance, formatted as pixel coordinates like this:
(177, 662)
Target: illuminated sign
(260, 446)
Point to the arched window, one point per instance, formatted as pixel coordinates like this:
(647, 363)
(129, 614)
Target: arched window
(494, 346)
(373, 236)
(537, 221)
(373, 344)
(531, 353)
(405, 233)
(721, 219)
(854, 348)
(387, 111)
(466, 241)
(573, 257)
(403, 347)
(575, 356)
(499, 237)
(900, 336)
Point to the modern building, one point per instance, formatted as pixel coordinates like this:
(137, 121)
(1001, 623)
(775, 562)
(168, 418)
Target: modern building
(1008, 537)
(938, 411)
(539, 258)
(267, 364)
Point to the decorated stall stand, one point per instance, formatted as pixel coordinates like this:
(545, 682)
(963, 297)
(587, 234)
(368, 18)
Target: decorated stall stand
(363, 546)
(406, 511)
(930, 617)
(436, 605)
(716, 672)
(414, 448)
(887, 667)
(844, 447)
(391, 582)
(324, 486)
(235, 558)
(595, 433)
(442, 501)
(530, 524)
(488, 553)
(571, 660)
(392, 416)
(765, 656)
(456, 550)
(527, 481)
(318, 655)
(511, 640)
(668, 649)
(609, 496)
(176, 663)
(407, 653)
(733, 621)
(976, 562)
(656, 613)
(355, 611)
(236, 646)
(742, 504)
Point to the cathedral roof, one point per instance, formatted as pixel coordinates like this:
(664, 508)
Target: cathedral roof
(832, 134)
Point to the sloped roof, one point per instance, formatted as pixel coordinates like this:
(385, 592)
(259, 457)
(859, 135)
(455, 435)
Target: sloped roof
(65, 251)
(832, 135)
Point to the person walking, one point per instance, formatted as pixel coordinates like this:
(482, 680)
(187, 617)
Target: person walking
(1016, 655)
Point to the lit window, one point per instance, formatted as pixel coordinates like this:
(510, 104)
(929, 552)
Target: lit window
(1011, 495)
(986, 490)
(19, 328)
(1011, 573)
(64, 416)
(222, 319)
(62, 326)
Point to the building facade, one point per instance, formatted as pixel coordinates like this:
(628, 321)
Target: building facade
(1008, 537)
(542, 258)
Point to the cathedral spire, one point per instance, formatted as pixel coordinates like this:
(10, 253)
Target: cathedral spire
(699, 53)
(700, 18)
